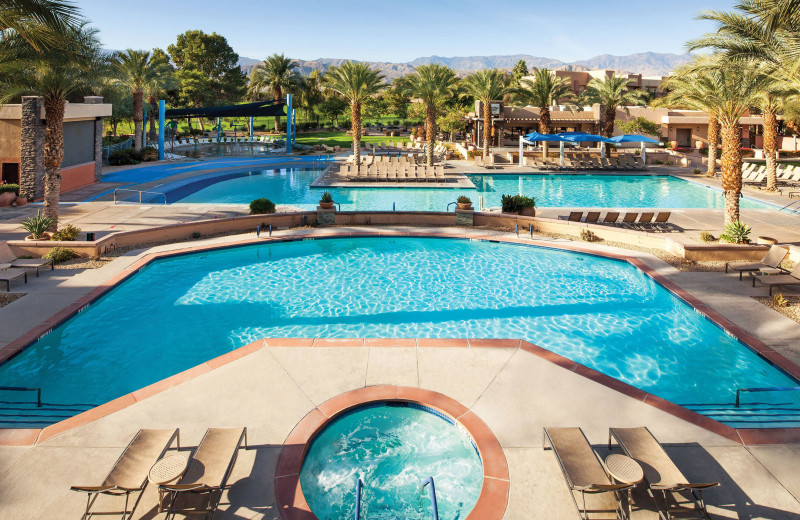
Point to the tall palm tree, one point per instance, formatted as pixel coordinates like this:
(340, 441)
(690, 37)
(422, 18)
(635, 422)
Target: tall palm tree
(487, 85)
(736, 87)
(67, 69)
(138, 71)
(544, 91)
(311, 94)
(276, 74)
(611, 93)
(38, 22)
(159, 87)
(774, 96)
(355, 81)
(433, 85)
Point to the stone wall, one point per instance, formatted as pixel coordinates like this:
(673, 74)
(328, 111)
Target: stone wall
(31, 167)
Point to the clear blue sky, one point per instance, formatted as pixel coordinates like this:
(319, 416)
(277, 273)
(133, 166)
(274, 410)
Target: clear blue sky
(379, 30)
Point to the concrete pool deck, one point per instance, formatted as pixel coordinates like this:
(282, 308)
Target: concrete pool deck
(516, 394)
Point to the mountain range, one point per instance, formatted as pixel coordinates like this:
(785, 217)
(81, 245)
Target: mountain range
(645, 63)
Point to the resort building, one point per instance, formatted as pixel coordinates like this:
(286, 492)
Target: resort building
(579, 80)
(22, 136)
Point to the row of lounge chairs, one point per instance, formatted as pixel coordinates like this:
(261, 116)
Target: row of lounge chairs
(584, 161)
(632, 220)
(755, 175)
(13, 268)
(197, 490)
(768, 271)
(369, 160)
(243, 139)
(393, 172)
(595, 492)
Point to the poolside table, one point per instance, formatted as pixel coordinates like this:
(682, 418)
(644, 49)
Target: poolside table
(625, 470)
(168, 469)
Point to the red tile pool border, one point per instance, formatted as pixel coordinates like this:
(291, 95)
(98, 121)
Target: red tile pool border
(13, 437)
(292, 505)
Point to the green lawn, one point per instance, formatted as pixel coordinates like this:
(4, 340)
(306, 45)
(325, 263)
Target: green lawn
(342, 139)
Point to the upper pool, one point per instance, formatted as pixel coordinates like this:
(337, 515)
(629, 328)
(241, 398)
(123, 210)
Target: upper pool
(291, 187)
(179, 312)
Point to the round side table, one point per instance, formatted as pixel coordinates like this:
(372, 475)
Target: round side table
(167, 469)
(625, 470)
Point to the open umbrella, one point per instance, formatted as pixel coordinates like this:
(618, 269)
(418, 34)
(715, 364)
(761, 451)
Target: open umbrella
(633, 138)
(536, 137)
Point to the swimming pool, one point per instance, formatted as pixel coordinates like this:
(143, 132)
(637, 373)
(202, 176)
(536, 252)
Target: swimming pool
(393, 447)
(291, 187)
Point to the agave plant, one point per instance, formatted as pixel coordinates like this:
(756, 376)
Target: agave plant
(736, 233)
(326, 197)
(37, 225)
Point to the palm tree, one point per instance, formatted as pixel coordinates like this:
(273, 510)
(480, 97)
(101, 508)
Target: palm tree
(38, 22)
(277, 74)
(611, 93)
(544, 91)
(138, 71)
(310, 94)
(433, 85)
(355, 81)
(159, 87)
(771, 100)
(67, 69)
(487, 85)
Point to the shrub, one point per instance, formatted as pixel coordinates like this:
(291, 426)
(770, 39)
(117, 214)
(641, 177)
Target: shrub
(588, 236)
(705, 236)
(515, 203)
(68, 232)
(697, 171)
(197, 234)
(60, 254)
(326, 197)
(668, 162)
(38, 224)
(122, 157)
(736, 233)
(4, 187)
(780, 301)
(463, 199)
(149, 154)
(262, 206)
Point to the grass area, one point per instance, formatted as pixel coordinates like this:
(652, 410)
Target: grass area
(342, 139)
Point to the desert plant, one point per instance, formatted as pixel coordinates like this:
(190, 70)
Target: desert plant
(515, 203)
(780, 300)
(705, 236)
(587, 235)
(736, 233)
(262, 206)
(38, 224)
(197, 234)
(697, 171)
(326, 197)
(68, 232)
(14, 188)
(60, 254)
(463, 199)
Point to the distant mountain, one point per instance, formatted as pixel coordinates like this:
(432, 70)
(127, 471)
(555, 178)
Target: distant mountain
(646, 63)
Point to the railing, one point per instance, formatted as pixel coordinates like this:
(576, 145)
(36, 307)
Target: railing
(359, 485)
(24, 389)
(140, 192)
(794, 207)
(432, 492)
(770, 389)
(124, 145)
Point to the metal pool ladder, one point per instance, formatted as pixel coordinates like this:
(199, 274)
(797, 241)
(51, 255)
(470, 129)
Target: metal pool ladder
(770, 389)
(432, 491)
(140, 194)
(359, 485)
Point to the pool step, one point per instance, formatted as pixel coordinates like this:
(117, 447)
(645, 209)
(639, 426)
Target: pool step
(27, 415)
(753, 415)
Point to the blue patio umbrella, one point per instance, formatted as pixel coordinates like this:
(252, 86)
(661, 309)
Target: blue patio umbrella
(535, 137)
(633, 138)
(583, 137)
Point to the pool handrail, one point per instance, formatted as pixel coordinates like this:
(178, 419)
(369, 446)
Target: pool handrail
(359, 485)
(768, 389)
(26, 389)
(432, 492)
(140, 192)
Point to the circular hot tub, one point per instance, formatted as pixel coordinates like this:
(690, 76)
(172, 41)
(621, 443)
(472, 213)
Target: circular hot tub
(393, 447)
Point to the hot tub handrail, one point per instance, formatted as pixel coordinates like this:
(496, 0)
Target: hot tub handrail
(432, 492)
(769, 389)
(359, 485)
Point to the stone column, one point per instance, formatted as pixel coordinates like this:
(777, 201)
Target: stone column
(31, 153)
(98, 137)
(326, 217)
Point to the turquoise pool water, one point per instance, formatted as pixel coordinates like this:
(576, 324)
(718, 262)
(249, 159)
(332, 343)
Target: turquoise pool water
(392, 448)
(291, 187)
(179, 312)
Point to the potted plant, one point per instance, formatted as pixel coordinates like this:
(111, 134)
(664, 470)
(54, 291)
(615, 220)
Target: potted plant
(519, 204)
(326, 201)
(8, 193)
(464, 202)
(37, 226)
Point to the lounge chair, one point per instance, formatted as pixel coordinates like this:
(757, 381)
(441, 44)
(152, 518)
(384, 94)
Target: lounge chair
(585, 474)
(129, 473)
(629, 219)
(772, 260)
(660, 472)
(611, 217)
(592, 217)
(8, 257)
(206, 474)
(8, 275)
(574, 216)
(661, 220)
(644, 220)
(777, 280)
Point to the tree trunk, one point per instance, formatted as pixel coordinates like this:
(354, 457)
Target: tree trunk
(153, 102)
(713, 139)
(277, 93)
(430, 131)
(138, 118)
(545, 128)
(771, 148)
(487, 128)
(731, 170)
(355, 118)
(199, 123)
(608, 124)
(53, 156)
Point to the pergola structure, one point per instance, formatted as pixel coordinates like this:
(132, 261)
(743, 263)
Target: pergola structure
(270, 108)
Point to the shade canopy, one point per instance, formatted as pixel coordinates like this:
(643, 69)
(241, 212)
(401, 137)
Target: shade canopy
(537, 137)
(259, 109)
(583, 137)
(632, 138)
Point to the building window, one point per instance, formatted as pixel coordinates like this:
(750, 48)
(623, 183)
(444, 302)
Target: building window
(10, 173)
